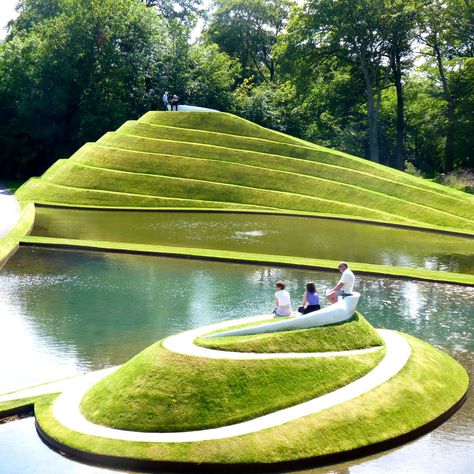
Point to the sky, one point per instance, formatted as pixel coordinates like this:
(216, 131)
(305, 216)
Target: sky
(7, 13)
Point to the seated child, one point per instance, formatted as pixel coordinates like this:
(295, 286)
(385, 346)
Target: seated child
(310, 300)
(282, 300)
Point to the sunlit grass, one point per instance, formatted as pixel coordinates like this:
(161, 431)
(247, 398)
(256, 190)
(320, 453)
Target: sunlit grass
(159, 390)
(430, 384)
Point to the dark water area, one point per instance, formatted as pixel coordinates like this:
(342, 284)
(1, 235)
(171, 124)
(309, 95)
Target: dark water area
(276, 235)
(65, 312)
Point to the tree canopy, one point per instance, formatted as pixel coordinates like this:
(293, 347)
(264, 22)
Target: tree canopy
(389, 80)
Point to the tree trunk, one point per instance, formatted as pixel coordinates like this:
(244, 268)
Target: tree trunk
(372, 113)
(449, 151)
(400, 123)
(373, 119)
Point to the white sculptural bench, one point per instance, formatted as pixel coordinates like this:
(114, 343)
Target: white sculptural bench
(338, 312)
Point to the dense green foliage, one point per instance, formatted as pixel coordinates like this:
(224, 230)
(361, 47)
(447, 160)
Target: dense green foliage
(388, 80)
(142, 395)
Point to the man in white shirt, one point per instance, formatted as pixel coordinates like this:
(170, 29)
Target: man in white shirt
(165, 100)
(344, 287)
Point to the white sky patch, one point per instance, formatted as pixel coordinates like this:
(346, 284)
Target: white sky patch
(7, 13)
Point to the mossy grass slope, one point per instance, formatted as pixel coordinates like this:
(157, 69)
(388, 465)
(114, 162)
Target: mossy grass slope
(216, 160)
(356, 333)
(159, 390)
(429, 385)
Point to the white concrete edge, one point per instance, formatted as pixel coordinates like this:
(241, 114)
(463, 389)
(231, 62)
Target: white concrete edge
(183, 343)
(67, 412)
(48, 388)
(9, 212)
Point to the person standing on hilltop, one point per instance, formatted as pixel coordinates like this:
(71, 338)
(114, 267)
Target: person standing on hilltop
(174, 102)
(165, 100)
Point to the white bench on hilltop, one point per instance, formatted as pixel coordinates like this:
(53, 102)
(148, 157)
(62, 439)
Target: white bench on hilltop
(338, 312)
(191, 108)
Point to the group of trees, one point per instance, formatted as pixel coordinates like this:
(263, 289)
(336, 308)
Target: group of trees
(389, 80)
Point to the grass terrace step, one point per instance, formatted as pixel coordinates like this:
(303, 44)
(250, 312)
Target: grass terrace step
(249, 185)
(185, 166)
(50, 193)
(212, 122)
(217, 158)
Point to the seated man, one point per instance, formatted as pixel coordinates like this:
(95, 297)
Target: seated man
(345, 285)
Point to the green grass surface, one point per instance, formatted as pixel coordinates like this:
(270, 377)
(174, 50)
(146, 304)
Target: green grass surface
(68, 195)
(214, 160)
(429, 384)
(198, 188)
(276, 260)
(9, 242)
(212, 122)
(159, 390)
(356, 333)
(23, 402)
(286, 168)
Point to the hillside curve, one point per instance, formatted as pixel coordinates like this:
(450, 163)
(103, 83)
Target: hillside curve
(211, 160)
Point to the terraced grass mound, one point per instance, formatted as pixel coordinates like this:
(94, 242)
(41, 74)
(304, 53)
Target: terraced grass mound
(430, 385)
(356, 333)
(216, 160)
(159, 390)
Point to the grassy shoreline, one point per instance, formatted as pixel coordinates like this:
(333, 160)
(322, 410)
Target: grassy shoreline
(243, 257)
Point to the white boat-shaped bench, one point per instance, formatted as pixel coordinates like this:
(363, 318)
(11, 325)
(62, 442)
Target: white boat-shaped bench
(338, 312)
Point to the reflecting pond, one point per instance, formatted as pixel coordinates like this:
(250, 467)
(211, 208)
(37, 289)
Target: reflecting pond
(260, 233)
(65, 312)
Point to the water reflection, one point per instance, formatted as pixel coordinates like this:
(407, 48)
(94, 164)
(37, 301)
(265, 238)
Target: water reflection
(279, 235)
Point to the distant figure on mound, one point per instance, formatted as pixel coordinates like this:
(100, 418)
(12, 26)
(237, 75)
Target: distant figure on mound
(344, 287)
(310, 300)
(174, 102)
(165, 100)
(282, 300)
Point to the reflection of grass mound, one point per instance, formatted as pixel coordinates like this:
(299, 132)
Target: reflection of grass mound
(162, 391)
(210, 160)
(356, 333)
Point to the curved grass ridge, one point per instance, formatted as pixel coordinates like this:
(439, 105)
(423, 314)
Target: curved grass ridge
(217, 160)
(143, 395)
(430, 384)
(356, 333)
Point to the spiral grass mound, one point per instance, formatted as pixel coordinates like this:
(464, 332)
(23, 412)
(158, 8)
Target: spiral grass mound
(216, 160)
(180, 405)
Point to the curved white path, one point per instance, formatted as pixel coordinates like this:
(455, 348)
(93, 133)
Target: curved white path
(9, 210)
(66, 407)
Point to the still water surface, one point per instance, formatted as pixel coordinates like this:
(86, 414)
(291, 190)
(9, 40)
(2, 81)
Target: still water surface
(277, 235)
(64, 313)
